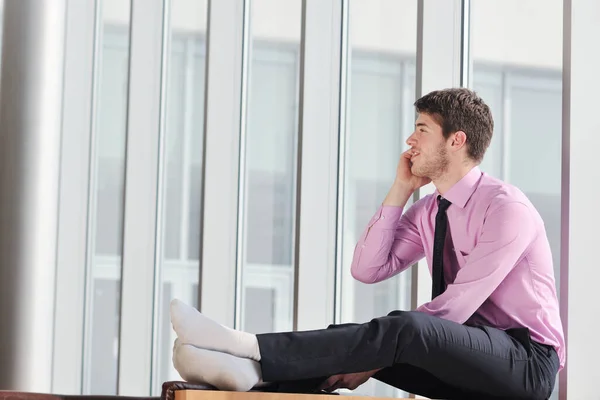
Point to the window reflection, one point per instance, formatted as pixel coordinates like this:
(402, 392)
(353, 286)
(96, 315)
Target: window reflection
(518, 72)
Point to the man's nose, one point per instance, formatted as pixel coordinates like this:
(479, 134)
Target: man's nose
(411, 140)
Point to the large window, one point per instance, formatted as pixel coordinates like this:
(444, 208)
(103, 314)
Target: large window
(179, 238)
(380, 116)
(232, 100)
(107, 185)
(522, 83)
(518, 71)
(268, 192)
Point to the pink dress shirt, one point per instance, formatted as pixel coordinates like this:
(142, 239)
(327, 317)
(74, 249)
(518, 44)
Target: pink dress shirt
(497, 259)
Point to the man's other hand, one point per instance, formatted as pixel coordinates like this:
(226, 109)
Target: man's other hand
(347, 381)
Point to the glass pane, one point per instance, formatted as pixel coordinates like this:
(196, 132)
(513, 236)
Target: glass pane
(490, 86)
(519, 73)
(106, 211)
(270, 168)
(380, 116)
(182, 180)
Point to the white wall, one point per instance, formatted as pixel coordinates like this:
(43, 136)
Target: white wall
(189, 15)
(521, 32)
(524, 32)
(384, 26)
(116, 12)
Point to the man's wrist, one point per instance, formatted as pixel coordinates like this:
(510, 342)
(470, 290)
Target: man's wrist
(398, 195)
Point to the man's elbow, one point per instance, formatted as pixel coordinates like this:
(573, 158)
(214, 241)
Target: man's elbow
(364, 276)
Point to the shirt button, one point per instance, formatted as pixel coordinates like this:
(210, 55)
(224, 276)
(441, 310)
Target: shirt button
(363, 246)
(383, 217)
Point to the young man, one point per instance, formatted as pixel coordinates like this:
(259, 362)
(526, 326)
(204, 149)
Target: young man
(492, 328)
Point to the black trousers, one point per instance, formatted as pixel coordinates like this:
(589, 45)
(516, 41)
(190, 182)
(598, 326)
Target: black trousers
(417, 353)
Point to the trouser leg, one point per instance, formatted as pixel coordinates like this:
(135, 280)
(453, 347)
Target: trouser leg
(418, 381)
(402, 376)
(472, 359)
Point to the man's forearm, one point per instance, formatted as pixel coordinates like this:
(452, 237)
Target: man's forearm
(398, 195)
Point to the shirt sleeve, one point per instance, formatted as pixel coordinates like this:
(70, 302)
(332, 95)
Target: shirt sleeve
(507, 233)
(390, 244)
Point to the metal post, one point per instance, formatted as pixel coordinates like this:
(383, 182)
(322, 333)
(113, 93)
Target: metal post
(30, 133)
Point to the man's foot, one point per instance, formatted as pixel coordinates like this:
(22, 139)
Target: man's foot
(221, 370)
(200, 331)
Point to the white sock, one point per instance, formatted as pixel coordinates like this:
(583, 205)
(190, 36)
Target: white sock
(196, 329)
(221, 370)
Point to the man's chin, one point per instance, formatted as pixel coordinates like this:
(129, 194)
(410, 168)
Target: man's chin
(418, 173)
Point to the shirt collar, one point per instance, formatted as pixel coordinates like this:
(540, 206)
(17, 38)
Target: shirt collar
(462, 190)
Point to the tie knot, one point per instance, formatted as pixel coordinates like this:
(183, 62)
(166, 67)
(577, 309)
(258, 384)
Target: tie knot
(443, 204)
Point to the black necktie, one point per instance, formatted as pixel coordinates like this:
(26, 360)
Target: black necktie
(441, 222)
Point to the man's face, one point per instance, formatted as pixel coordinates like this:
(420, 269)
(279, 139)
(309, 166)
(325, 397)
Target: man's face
(431, 156)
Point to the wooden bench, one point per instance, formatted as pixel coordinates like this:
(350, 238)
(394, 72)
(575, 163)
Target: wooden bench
(19, 395)
(177, 390)
(187, 391)
(218, 395)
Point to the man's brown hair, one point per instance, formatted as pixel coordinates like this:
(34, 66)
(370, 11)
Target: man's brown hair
(460, 109)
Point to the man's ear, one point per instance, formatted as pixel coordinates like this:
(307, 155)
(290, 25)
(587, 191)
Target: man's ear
(459, 140)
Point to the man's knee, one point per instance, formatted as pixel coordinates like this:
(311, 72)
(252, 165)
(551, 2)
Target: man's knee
(410, 319)
(408, 325)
